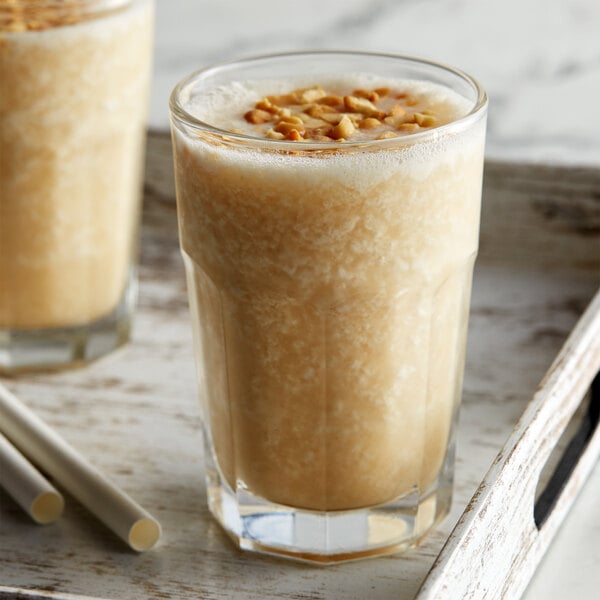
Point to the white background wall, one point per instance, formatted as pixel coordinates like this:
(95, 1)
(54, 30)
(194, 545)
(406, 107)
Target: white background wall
(538, 59)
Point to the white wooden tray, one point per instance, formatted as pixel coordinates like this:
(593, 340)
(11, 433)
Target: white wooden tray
(136, 416)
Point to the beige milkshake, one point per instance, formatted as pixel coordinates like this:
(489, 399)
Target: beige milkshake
(329, 263)
(74, 78)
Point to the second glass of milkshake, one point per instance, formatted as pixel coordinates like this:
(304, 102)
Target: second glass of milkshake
(329, 215)
(74, 81)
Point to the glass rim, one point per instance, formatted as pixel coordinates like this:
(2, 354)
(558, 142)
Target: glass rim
(183, 116)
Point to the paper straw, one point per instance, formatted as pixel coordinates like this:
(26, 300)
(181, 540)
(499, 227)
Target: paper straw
(54, 455)
(36, 496)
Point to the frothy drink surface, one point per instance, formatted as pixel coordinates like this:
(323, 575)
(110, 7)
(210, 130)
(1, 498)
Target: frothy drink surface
(330, 293)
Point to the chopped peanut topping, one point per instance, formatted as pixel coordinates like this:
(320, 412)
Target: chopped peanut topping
(362, 105)
(373, 96)
(331, 100)
(344, 129)
(409, 127)
(285, 127)
(258, 116)
(266, 105)
(397, 111)
(17, 17)
(315, 114)
(370, 123)
(275, 135)
(424, 120)
(312, 95)
(294, 135)
(395, 122)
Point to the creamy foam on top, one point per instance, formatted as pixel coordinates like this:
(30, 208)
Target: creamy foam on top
(224, 106)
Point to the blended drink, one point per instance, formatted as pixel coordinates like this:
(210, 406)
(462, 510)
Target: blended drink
(329, 226)
(74, 76)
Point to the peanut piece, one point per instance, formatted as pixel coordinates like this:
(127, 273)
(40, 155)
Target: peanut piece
(312, 95)
(397, 111)
(286, 128)
(318, 110)
(333, 118)
(294, 135)
(331, 100)
(356, 118)
(362, 105)
(266, 105)
(293, 119)
(344, 129)
(372, 96)
(257, 116)
(370, 123)
(311, 123)
(394, 121)
(318, 132)
(424, 120)
(275, 135)
(409, 127)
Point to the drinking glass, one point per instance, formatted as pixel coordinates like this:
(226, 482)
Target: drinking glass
(329, 287)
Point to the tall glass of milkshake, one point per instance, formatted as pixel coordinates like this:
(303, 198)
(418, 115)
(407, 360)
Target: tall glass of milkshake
(329, 212)
(74, 76)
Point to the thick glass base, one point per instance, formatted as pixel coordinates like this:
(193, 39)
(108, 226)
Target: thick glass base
(325, 537)
(50, 349)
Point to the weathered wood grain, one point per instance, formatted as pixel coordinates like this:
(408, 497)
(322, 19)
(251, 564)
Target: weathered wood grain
(136, 416)
(476, 564)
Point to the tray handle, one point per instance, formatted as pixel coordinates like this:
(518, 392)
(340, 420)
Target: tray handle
(548, 498)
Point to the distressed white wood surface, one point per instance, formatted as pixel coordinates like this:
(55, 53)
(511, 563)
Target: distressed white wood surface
(496, 545)
(136, 416)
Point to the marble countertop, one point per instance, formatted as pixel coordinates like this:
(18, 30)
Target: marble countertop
(539, 61)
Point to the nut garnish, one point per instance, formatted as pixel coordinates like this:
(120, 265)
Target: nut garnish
(266, 105)
(312, 95)
(397, 111)
(331, 100)
(258, 116)
(271, 133)
(294, 135)
(316, 114)
(285, 127)
(424, 120)
(363, 106)
(395, 121)
(16, 17)
(372, 95)
(409, 127)
(344, 129)
(370, 123)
